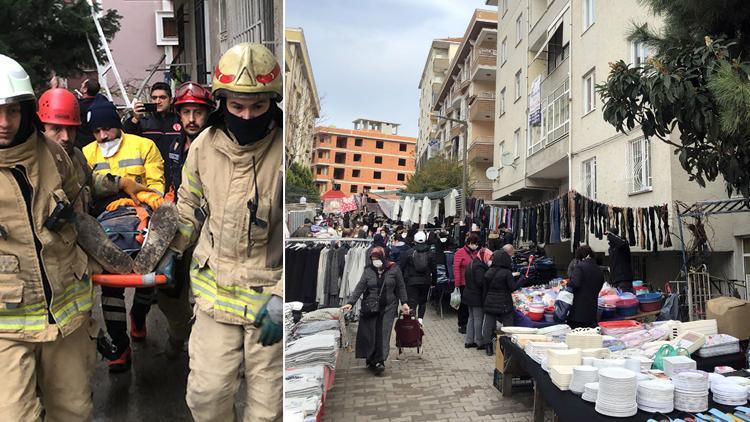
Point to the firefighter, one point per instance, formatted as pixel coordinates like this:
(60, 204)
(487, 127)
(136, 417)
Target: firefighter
(121, 154)
(47, 346)
(161, 126)
(236, 269)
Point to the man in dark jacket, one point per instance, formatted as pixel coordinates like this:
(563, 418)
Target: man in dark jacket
(420, 272)
(162, 126)
(304, 230)
(586, 282)
(399, 247)
(620, 270)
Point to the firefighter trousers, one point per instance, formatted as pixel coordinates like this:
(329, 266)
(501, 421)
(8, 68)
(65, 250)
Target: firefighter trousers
(53, 376)
(217, 353)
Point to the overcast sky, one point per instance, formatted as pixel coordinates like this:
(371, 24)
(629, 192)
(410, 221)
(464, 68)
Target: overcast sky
(367, 55)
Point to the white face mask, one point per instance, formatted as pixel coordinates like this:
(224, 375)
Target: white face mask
(403, 235)
(109, 148)
(473, 247)
(377, 263)
(443, 239)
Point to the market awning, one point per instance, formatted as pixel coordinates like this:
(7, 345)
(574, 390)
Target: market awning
(333, 194)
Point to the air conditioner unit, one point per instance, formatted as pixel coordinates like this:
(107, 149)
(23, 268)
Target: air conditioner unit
(166, 28)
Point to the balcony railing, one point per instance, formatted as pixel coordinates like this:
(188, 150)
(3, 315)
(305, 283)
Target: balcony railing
(482, 106)
(481, 149)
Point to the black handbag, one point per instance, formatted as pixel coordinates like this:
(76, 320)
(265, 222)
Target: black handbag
(371, 304)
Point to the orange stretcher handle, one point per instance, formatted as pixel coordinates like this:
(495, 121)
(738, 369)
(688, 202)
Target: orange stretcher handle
(129, 280)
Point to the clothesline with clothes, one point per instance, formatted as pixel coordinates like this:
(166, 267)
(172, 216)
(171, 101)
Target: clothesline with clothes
(421, 208)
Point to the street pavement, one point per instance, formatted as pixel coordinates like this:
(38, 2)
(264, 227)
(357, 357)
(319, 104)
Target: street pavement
(446, 383)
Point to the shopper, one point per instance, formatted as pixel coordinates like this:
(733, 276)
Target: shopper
(472, 297)
(305, 230)
(399, 248)
(497, 301)
(621, 273)
(461, 261)
(586, 282)
(420, 272)
(382, 287)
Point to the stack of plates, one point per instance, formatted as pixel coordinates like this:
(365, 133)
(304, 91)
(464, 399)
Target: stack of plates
(561, 376)
(519, 330)
(582, 375)
(706, 327)
(729, 393)
(744, 382)
(691, 391)
(522, 339)
(609, 363)
(556, 332)
(596, 352)
(570, 357)
(538, 349)
(590, 391)
(656, 396)
(617, 393)
(583, 340)
(675, 364)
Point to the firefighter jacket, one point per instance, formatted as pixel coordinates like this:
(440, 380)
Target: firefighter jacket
(236, 264)
(45, 288)
(163, 130)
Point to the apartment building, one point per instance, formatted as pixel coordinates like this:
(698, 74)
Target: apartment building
(441, 53)
(552, 55)
(372, 156)
(468, 95)
(300, 98)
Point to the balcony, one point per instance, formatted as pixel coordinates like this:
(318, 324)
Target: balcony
(482, 106)
(484, 65)
(481, 150)
(481, 187)
(542, 18)
(456, 130)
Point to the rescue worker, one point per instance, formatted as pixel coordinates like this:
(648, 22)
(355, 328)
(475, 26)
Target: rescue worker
(162, 126)
(236, 269)
(47, 346)
(121, 154)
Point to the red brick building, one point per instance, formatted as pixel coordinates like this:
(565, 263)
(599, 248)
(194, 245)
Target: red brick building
(370, 157)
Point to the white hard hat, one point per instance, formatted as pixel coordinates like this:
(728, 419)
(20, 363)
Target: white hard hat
(15, 84)
(420, 237)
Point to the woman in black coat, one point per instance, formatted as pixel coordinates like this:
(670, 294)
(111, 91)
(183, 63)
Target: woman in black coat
(586, 282)
(472, 298)
(381, 279)
(498, 285)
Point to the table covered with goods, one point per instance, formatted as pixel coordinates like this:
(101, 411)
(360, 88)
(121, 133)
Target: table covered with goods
(627, 370)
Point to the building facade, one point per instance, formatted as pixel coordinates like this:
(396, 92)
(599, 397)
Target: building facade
(553, 53)
(433, 75)
(468, 95)
(302, 105)
(363, 159)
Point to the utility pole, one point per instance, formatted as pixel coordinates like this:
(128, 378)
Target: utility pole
(464, 175)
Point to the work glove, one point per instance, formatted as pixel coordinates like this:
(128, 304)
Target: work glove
(132, 188)
(269, 321)
(152, 199)
(125, 202)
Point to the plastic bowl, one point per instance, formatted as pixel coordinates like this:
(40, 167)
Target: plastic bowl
(627, 311)
(608, 312)
(536, 316)
(650, 306)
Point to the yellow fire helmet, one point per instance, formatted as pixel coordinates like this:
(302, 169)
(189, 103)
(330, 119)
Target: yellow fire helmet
(248, 69)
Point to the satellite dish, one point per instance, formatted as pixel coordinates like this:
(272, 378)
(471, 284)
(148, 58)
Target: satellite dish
(507, 159)
(491, 173)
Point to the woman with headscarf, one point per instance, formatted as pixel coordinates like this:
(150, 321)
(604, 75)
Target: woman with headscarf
(472, 297)
(586, 282)
(382, 287)
(497, 301)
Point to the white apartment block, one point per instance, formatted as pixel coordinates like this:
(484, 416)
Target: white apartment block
(301, 99)
(550, 135)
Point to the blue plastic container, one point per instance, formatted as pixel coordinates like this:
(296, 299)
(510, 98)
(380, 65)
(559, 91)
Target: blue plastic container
(627, 311)
(649, 297)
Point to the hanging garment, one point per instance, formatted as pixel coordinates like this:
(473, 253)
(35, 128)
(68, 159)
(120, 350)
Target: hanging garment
(450, 203)
(555, 222)
(416, 211)
(667, 234)
(642, 233)
(532, 225)
(631, 231)
(435, 213)
(657, 210)
(652, 218)
(547, 221)
(396, 210)
(577, 237)
(646, 225)
(408, 207)
(564, 218)
(322, 264)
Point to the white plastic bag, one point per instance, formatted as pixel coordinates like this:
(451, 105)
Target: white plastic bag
(456, 298)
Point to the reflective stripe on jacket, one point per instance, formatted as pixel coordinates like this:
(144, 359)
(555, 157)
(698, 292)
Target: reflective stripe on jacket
(237, 260)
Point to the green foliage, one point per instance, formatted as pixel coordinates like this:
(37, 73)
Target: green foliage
(438, 173)
(50, 35)
(695, 85)
(299, 183)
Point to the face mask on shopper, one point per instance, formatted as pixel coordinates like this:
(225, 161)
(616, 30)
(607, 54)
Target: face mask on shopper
(377, 263)
(473, 247)
(443, 239)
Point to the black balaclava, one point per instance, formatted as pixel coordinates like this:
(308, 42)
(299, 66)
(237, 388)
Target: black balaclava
(29, 123)
(252, 130)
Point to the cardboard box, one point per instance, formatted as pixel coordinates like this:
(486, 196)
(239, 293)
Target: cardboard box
(732, 316)
(500, 363)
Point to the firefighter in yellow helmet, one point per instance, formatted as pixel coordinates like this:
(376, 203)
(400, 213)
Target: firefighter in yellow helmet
(230, 203)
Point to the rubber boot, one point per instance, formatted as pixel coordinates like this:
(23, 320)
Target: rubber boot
(95, 242)
(489, 349)
(161, 231)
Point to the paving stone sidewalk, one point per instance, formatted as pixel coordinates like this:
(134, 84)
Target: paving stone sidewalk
(448, 383)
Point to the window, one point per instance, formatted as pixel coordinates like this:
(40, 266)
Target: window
(336, 186)
(556, 51)
(379, 144)
(340, 158)
(376, 175)
(357, 157)
(588, 178)
(402, 162)
(366, 189)
(355, 173)
(357, 142)
(589, 92)
(402, 147)
(504, 51)
(556, 118)
(639, 53)
(516, 142)
(518, 85)
(378, 160)
(340, 142)
(502, 101)
(519, 29)
(746, 256)
(338, 173)
(639, 156)
(381, 187)
(320, 154)
(501, 149)
(353, 189)
(588, 13)
(401, 177)
(319, 170)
